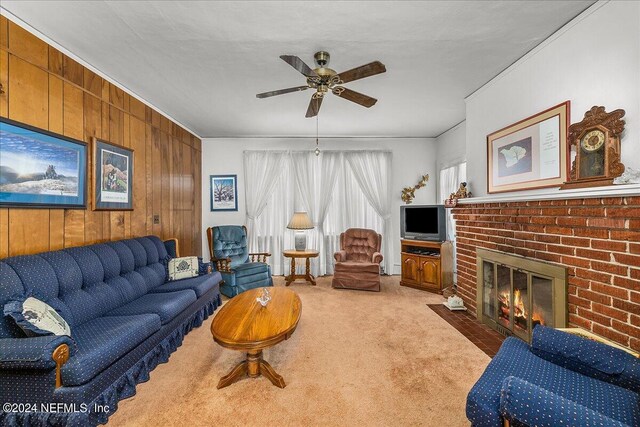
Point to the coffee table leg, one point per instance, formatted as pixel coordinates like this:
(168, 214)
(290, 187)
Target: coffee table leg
(236, 373)
(292, 276)
(308, 275)
(267, 371)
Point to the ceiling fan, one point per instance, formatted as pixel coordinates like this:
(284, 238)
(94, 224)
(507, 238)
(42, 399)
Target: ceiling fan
(323, 79)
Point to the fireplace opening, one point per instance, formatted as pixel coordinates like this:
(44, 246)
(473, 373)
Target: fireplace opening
(515, 294)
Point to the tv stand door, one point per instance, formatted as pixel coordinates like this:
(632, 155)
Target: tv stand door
(410, 269)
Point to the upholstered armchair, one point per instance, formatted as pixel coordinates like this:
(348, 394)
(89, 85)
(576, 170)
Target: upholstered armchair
(358, 261)
(230, 256)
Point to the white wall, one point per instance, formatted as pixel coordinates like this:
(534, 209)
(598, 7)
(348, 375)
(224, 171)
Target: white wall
(451, 147)
(593, 60)
(412, 157)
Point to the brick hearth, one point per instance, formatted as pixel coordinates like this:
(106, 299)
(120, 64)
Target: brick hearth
(597, 239)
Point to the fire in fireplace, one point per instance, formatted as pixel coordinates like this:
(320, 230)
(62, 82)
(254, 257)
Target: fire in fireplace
(516, 294)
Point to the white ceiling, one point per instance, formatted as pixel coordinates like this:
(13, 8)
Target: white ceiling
(203, 62)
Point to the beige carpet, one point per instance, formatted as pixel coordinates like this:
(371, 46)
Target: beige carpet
(356, 359)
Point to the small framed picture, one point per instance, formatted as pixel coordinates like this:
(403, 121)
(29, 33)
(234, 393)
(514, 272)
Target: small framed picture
(41, 169)
(112, 177)
(224, 192)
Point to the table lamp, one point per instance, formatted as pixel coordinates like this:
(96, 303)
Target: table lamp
(300, 221)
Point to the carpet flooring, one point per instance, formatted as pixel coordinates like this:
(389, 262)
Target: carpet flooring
(356, 359)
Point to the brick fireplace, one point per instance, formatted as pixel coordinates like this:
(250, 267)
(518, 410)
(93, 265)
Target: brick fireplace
(597, 239)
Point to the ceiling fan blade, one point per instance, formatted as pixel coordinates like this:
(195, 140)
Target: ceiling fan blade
(299, 65)
(281, 91)
(314, 106)
(353, 96)
(370, 69)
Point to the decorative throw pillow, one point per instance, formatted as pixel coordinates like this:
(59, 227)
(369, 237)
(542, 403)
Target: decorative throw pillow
(36, 317)
(182, 268)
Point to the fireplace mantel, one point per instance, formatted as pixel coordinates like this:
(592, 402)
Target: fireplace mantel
(577, 193)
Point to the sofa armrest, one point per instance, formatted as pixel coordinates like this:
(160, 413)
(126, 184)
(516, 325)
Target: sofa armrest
(340, 256)
(531, 405)
(377, 258)
(259, 257)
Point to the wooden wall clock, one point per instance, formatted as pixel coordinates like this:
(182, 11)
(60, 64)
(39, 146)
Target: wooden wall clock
(596, 140)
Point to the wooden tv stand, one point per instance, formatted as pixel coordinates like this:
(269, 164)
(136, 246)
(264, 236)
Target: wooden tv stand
(426, 265)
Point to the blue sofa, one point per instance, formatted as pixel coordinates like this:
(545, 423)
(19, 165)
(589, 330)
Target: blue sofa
(230, 256)
(125, 319)
(560, 380)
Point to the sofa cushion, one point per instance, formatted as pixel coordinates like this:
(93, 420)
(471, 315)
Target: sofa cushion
(200, 284)
(515, 359)
(167, 305)
(586, 356)
(359, 267)
(102, 341)
(11, 286)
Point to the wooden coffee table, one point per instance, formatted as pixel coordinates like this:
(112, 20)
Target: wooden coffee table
(243, 324)
(307, 254)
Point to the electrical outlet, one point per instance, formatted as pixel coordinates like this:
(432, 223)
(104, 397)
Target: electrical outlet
(156, 219)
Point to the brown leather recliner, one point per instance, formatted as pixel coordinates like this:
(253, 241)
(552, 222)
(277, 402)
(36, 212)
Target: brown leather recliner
(358, 262)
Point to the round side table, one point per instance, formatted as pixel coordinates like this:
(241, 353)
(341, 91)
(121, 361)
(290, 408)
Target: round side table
(307, 254)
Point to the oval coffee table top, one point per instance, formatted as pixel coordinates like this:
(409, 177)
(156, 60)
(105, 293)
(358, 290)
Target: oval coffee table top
(243, 324)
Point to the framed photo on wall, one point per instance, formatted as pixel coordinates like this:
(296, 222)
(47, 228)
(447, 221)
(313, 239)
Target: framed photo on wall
(224, 192)
(41, 169)
(112, 176)
(531, 153)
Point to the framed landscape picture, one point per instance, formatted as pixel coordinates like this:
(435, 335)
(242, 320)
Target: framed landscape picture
(224, 192)
(531, 153)
(113, 176)
(41, 169)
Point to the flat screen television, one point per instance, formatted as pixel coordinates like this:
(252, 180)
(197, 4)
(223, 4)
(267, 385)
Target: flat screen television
(423, 222)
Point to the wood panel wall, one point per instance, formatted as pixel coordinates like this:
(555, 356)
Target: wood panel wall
(47, 89)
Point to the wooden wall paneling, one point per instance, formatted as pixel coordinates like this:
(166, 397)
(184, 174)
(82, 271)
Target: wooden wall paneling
(156, 180)
(138, 141)
(106, 126)
(4, 79)
(56, 118)
(73, 228)
(72, 71)
(137, 108)
(93, 82)
(197, 213)
(73, 113)
(116, 96)
(73, 127)
(4, 232)
(55, 61)
(27, 46)
(28, 231)
(116, 126)
(126, 125)
(4, 32)
(155, 119)
(28, 93)
(165, 182)
(56, 229)
(94, 221)
(49, 90)
(148, 175)
(176, 184)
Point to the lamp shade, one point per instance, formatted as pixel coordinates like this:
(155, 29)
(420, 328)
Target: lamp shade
(300, 221)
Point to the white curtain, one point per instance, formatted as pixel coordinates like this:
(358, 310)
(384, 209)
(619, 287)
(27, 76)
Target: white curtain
(372, 170)
(315, 177)
(262, 170)
(450, 179)
(270, 232)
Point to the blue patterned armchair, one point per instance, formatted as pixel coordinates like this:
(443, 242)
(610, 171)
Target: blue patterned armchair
(230, 256)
